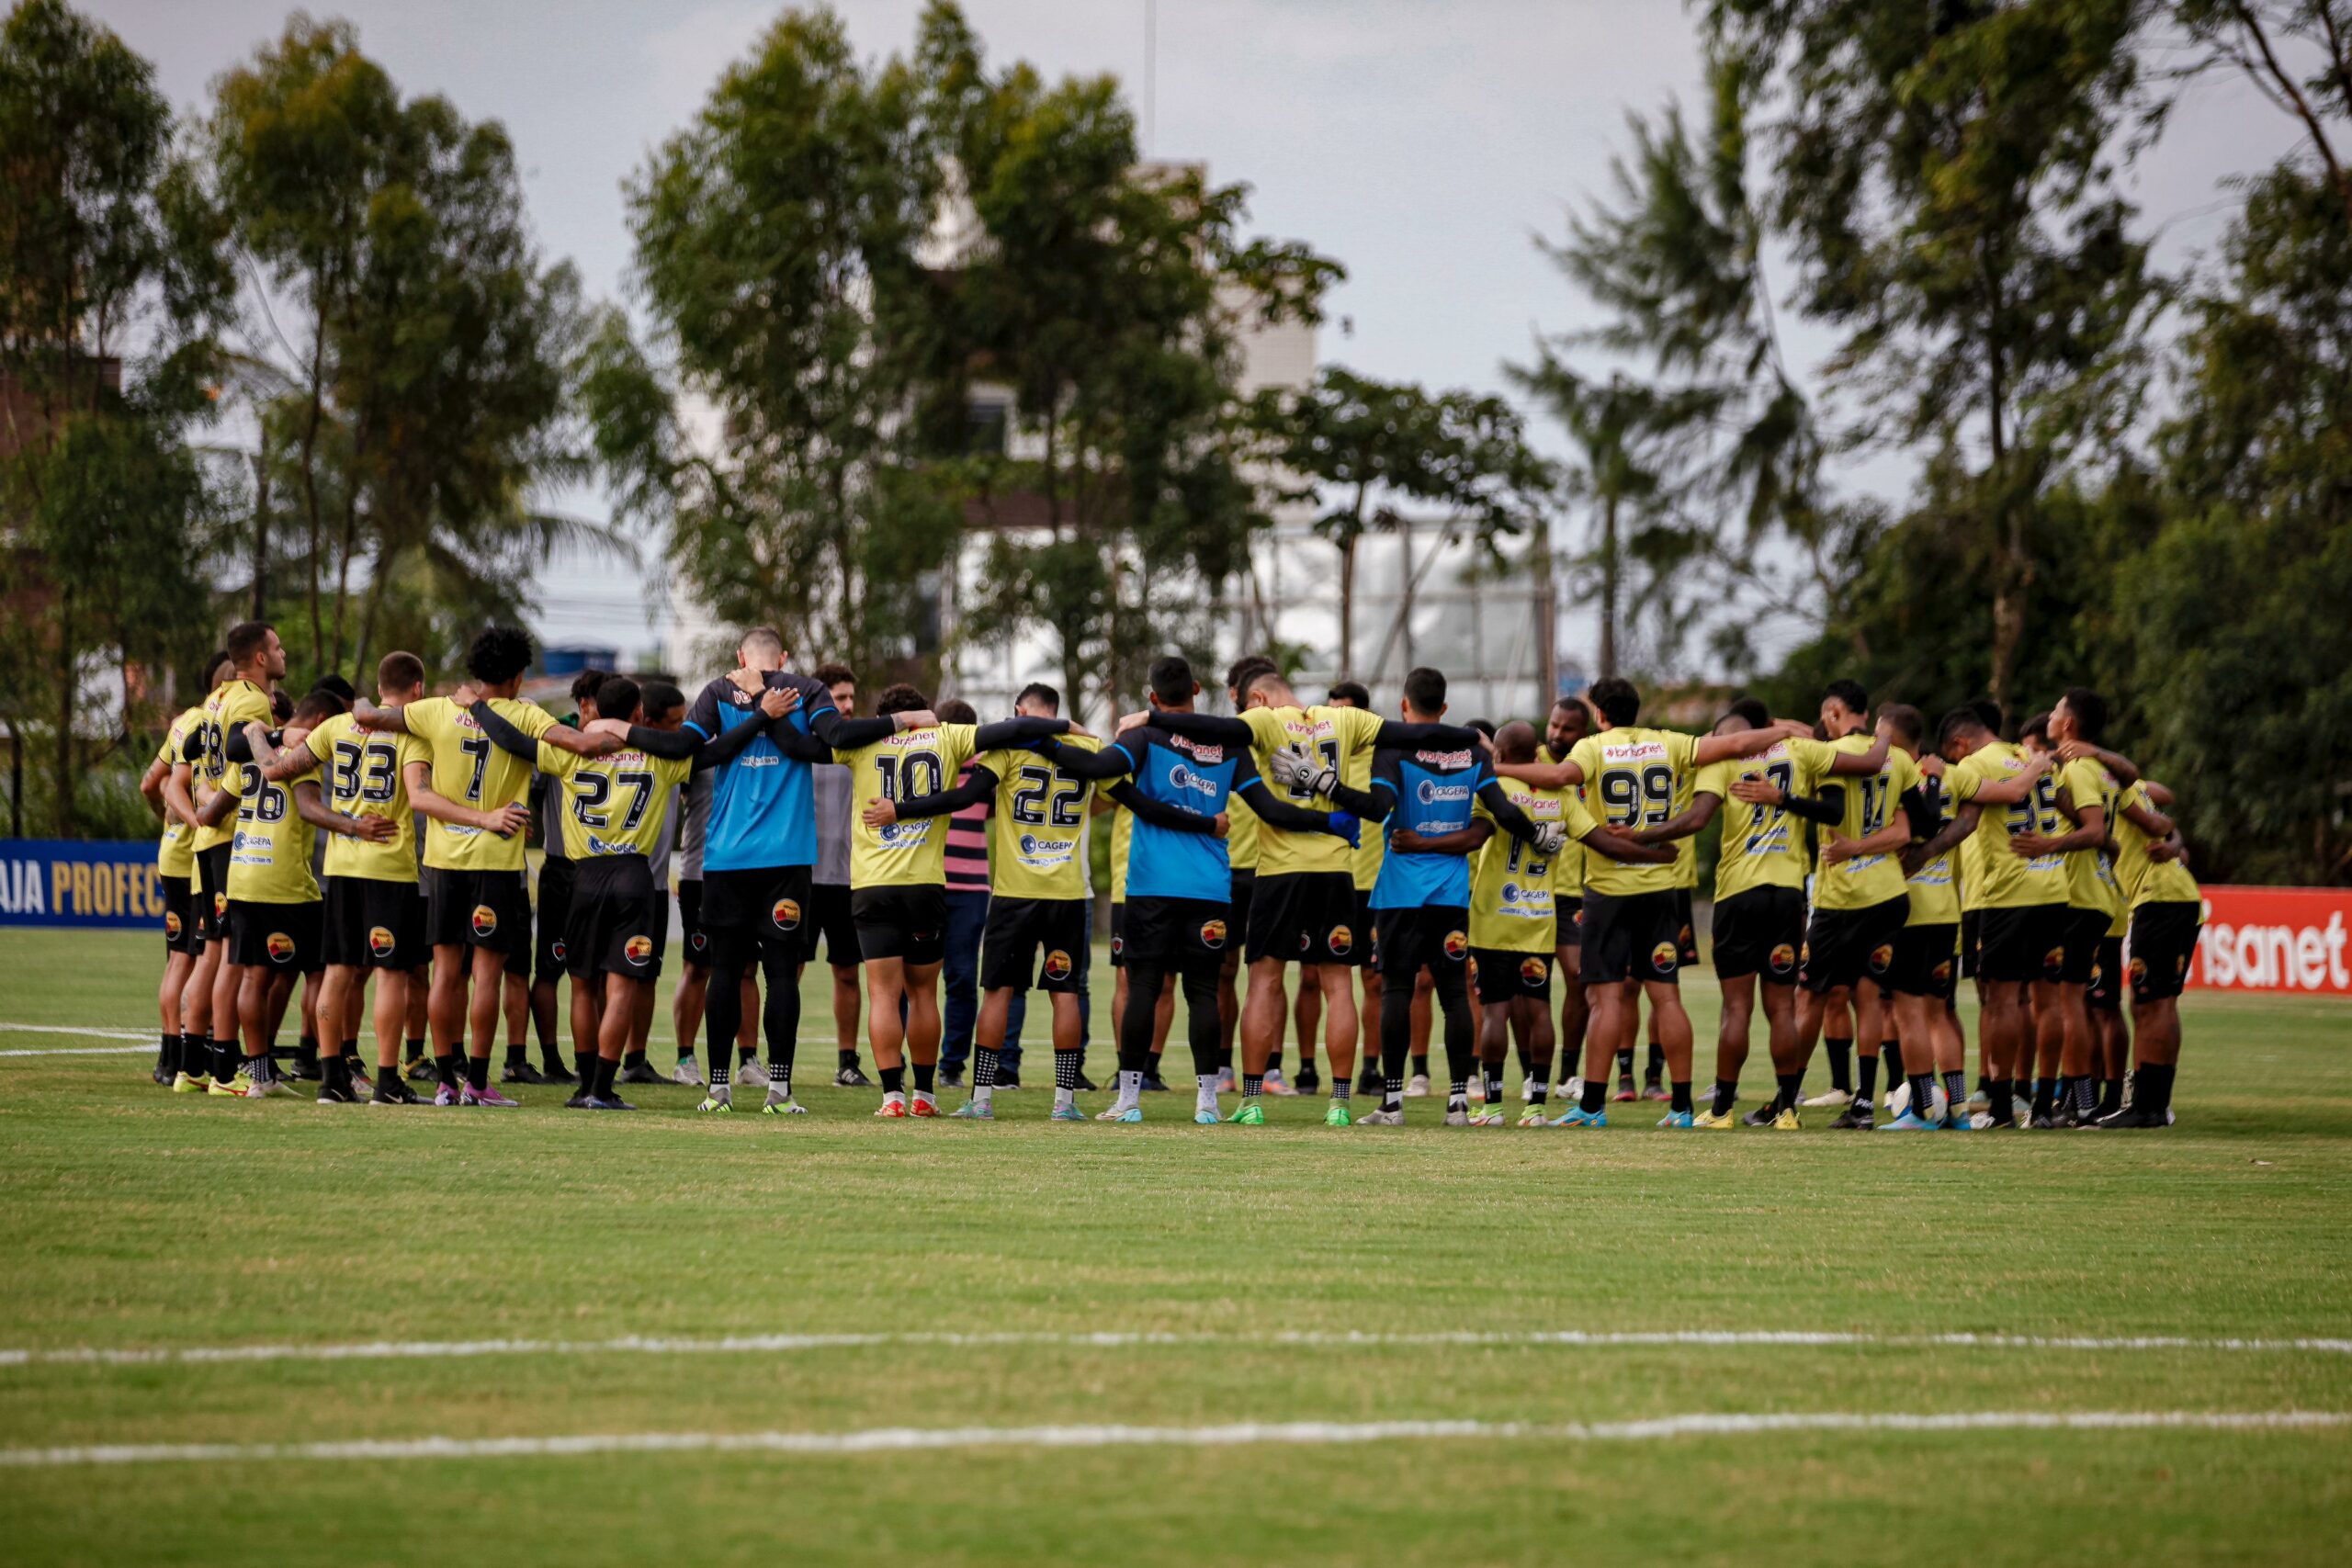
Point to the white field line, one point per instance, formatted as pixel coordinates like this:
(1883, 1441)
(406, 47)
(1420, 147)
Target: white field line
(85, 1050)
(645, 1345)
(900, 1439)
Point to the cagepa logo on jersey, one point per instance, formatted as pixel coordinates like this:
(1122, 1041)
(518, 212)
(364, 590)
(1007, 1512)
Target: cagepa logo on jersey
(1045, 854)
(1431, 793)
(1183, 778)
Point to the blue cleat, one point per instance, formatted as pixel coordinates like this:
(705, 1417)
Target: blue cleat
(1206, 1117)
(1578, 1116)
(1066, 1113)
(1132, 1116)
(1677, 1118)
(1906, 1123)
(1956, 1123)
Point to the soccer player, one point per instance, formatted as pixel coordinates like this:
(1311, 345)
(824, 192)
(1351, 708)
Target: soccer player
(1632, 927)
(2086, 793)
(477, 908)
(166, 787)
(899, 877)
(1760, 922)
(1927, 949)
(829, 895)
(1177, 919)
(256, 659)
(555, 903)
(2166, 910)
(372, 914)
(1568, 722)
(2021, 907)
(1241, 845)
(1370, 849)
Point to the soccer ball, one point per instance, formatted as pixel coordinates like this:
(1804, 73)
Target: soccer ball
(1899, 1100)
(1938, 1106)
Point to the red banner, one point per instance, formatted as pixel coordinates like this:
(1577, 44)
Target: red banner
(2276, 939)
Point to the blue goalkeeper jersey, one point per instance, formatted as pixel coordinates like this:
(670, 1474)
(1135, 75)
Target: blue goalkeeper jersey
(1162, 861)
(763, 807)
(1433, 791)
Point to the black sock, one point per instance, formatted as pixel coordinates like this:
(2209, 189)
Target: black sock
(225, 1058)
(2004, 1102)
(477, 1072)
(1491, 1074)
(607, 1069)
(1841, 1063)
(633, 1060)
(1680, 1089)
(1792, 1090)
(846, 1058)
(1655, 1069)
(719, 1071)
(2110, 1096)
(1458, 1089)
(1253, 1085)
(445, 1070)
(1955, 1092)
(1421, 1065)
(196, 1054)
(1923, 1095)
(2152, 1087)
(1067, 1066)
(517, 1055)
(584, 1063)
(926, 1075)
(1726, 1096)
(1869, 1080)
(1891, 1053)
(1595, 1093)
(167, 1052)
(2020, 1092)
(261, 1067)
(2045, 1096)
(894, 1081)
(1625, 1063)
(308, 1050)
(415, 1049)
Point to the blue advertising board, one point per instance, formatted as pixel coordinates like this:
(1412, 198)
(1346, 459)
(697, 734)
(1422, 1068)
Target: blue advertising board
(80, 882)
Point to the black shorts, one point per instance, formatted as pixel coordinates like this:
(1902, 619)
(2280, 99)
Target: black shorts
(374, 924)
(179, 915)
(2084, 929)
(1173, 935)
(281, 937)
(557, 879)
(1430, 936)
(2164, 939)
(696, 939)
(1567, 917)
(756, 916)
(618, 922)
(908, 923)
(1925, 963)
(1367, 928)
(2021, 942)
(1842, 946)
(1020, 929)
(1245, 889)
(1686, 940)
(1759, 932)
(212, 893)
(1971, 931)
(2105, 991)
(477, 908)
(829, 918)
(1632, 936)
(1505, 977)
(1308, 917)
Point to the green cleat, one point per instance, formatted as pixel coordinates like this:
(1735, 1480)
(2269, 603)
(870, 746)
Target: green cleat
(973, 1110)
(1251, 1114)
(1338, 1115)
(716, 1106)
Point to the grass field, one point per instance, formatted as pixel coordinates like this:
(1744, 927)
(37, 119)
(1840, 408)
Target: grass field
(979, 1280)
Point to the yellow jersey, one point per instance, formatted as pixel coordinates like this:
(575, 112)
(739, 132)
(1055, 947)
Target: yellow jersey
(1241, 834)
(2000, 878)
(470, 769)
(233, 705)
(2146, 881)
(175, 848)
(2091, 881)
(269, 857)
(1513, 905)
(1568, 866)
(616, 805)
(1342, 739)
(912, 851)
(1631, 779)
(1763, 846)
(1122, 822)
(1037, 830)
(1935, 895)
(364, 774)
(1871, 805)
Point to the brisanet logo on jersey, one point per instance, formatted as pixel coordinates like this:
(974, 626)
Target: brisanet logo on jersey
(2275, 939)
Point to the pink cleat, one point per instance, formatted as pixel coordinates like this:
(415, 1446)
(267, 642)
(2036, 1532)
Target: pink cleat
(490, 1096)
(445, 1094)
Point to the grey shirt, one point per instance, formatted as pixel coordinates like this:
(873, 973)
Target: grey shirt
(833, 791)
(696, 824)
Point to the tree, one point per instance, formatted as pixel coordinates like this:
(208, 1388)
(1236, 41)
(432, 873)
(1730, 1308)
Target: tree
(2252, 37)
(1362, 446)
(112, 278)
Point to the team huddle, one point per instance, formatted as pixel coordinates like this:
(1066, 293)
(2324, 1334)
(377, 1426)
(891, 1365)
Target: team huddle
(1865, 866)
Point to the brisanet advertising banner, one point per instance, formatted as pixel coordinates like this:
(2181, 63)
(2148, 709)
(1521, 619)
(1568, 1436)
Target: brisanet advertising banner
(86, 883)
(2275, 939)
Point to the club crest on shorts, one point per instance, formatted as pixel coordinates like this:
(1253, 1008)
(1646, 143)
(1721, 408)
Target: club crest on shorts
(220, 905)
(1533, 971)
(1784, 959)
(381, 940)
(2053, 961)
(1342, 941)
(171, 925)
(638, 949)
(1880, 956)
(281, 947)
(2138, 970)
(1457, 943)
(485, 921)
(1212, 933)
(1662, 956)
(1057, 965)
(786, 915)
(1118, 946)
(698, 942)
(558, 952)
(1943, 971)
(1305, 941)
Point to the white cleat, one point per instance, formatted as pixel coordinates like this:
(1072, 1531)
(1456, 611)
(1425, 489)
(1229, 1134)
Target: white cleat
(1419, 1087)
(1382, 1118)
(1456, 1116)
(752, 1074)
(1829, 1097)
(688, 1071)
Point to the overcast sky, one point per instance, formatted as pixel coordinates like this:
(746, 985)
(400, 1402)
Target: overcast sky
(1423, 144)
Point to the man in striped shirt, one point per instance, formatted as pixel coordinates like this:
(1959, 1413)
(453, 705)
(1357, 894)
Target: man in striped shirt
(967, 917)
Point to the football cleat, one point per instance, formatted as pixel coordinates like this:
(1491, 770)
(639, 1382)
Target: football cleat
(1205, 1116)
(638, 1071)
(392, 1089)
(1489, 1115)
(521, 1072)
(1368, 1081)
(1085, 1084)
(688, 1071)
(1682, 1121)
(788, 1106)
(1707, 1121)
(226, 1086)
(893, 1108)
(1457, 1115)
(1338, 1115)
(190, 1083)
(1786, 1121)
(1275, 1083)
(490, 1096)
(1655, 1090)
(752, 1073)
(1986, 1122)
(1153, 1085)
(1578, 1116)
(1417, 1086)
(1066, 1113)
(850, 1077)
(336, 1094)
(1762, 1116)
(1250, 1115)
(924, 1108)
(972, 1110)
(716, 1105)
(447, 1095)
(556, 1072)
(1906, 1123)
(1826, 1098)
(1132, 1116)
(2133, 1119)
(1007, 1082)
(1625, 1090)
(1534, 1117)
(1899, 1100)
(1856, 1116)
(1308, 1081)
(1382, 1118)
(950, 1078)
(360, 1081)
(610, 1102)
(1958, 1121)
